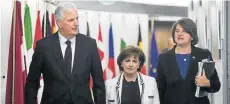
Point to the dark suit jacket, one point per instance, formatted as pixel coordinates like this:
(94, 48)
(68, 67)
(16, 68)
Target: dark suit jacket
(60, 84)
(173, 89)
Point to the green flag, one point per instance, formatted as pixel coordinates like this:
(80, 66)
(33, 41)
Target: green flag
(27, 38)
(28, 28)
(123, 44)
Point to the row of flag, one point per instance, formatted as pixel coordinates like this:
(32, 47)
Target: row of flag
(22, 45)
(21, 49)
(109, 70)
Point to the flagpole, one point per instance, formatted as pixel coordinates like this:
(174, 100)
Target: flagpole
(45, 20)
(52, 1)
(37, 6)
(99, 18)
(87, 24)
(44, 29)
(86, 14)
(14, 41)
(51, 7)
(25, 1)
(138, 18)
(110, 18)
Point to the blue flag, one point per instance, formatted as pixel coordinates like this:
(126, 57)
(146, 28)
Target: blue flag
(153, 56)
(111, 63)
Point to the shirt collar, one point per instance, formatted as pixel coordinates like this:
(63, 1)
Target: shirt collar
(125, 81)
(63, 39)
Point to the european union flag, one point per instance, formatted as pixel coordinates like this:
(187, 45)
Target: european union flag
(153, 56)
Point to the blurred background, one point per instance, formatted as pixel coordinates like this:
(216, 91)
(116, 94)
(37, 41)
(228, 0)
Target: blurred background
(143, 23)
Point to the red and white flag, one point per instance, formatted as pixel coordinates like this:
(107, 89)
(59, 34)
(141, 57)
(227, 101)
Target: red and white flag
(38, 36)
(101, 49)
(16, 73)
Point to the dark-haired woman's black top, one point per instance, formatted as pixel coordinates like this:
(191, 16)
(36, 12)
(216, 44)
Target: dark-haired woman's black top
(130, 92)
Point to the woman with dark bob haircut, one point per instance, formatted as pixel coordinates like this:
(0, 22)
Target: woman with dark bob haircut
(177, 69)
(131, 87)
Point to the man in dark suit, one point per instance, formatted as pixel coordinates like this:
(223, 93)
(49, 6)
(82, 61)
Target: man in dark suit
(66, 60)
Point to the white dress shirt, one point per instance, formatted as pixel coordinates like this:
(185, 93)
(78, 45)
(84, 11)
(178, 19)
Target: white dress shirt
(64, 45)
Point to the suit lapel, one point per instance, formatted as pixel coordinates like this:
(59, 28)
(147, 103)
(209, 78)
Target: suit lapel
(120, 87)
(141, 85)
(176, 72)
(192, 63)
(192, 68)
(59, 58)
(77, 54)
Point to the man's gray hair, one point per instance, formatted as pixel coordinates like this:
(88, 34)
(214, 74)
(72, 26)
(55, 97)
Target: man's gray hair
(61, 8)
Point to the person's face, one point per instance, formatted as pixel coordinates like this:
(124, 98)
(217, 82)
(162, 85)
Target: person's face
(181, 36)
(69, 23)
(130, 64)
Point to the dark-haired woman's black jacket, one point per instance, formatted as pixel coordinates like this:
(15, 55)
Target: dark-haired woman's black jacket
(173, 89)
